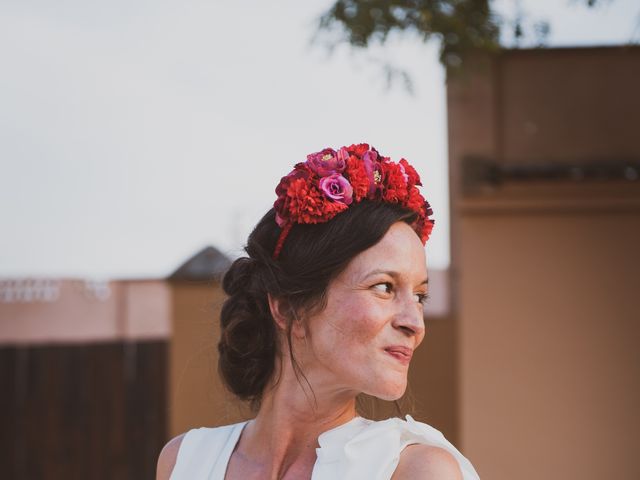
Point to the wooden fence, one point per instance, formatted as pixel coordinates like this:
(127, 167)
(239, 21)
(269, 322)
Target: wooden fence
(94, 411)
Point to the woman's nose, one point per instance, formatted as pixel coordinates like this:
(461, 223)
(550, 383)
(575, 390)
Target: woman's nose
(410, 318)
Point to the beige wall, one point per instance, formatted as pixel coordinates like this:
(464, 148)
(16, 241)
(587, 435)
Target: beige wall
(546, 274)
(197, 397)
(432, 378)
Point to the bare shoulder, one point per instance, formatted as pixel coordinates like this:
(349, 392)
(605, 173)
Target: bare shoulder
(167, 458)
(427, 462)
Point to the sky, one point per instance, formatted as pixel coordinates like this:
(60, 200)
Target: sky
(133, 134)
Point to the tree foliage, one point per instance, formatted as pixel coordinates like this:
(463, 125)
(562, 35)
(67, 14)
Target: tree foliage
(459, 25)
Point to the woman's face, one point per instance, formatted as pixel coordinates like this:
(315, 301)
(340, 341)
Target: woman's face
(363, 340)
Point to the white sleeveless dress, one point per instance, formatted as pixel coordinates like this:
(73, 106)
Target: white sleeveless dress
(360, 449)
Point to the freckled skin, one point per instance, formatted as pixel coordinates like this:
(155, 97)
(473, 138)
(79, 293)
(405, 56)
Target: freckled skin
(373, 304)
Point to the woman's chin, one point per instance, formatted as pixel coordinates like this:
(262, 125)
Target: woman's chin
(390, 392)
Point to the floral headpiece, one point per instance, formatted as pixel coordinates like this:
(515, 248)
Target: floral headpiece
(329, 181)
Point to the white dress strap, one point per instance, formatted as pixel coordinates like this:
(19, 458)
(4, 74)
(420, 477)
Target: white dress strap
(204, 452)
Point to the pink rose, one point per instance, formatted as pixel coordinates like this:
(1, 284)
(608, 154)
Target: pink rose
(327, 162)
(343, 155)
(337, 188)
(373, 169)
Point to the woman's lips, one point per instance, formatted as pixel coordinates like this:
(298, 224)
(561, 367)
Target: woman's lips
(400, 353)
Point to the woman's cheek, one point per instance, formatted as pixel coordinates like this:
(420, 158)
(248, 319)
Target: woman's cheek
(366, 322)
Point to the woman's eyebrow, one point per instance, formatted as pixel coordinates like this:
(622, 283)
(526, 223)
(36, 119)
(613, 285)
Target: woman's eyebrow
(392, 274)
(378, 271)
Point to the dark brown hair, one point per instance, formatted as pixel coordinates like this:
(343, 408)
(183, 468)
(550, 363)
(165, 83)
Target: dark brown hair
(312, 256)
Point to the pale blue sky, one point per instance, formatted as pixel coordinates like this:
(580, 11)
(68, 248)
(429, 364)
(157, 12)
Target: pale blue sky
(134, 133)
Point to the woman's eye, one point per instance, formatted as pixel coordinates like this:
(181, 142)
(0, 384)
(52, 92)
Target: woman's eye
(422, 298)
(384, 287)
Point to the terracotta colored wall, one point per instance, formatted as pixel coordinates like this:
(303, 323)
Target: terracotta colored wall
(546, 273)
(75, 311)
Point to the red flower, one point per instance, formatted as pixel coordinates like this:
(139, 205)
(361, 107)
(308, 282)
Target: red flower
(358, 178)
(394, 188)
(282, 203)
(425, 229)
(415, 201)
(358, 150)
(307, 204)
(413, 177)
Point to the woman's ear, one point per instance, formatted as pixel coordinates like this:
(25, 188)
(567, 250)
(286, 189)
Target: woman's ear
(281, 313)
(278, 312)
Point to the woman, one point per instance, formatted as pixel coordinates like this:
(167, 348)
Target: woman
(327, 305)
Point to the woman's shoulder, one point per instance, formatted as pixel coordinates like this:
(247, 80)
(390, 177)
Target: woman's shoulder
(187, 449)
(425, 461)
(168, 457)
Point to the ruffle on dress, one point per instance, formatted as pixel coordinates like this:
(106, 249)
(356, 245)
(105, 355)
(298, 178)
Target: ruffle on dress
(364, 449)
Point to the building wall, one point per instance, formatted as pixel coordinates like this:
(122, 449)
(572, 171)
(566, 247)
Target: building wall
(545, 272)
(432, 393)
(196, 395)
(46, 311)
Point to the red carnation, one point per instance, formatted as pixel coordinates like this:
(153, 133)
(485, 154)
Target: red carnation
(426, 229)
(413, 177)
(282, 203)
(307, 204)
(358, 150)
(416, 201)
(394, 187)
(358, 178)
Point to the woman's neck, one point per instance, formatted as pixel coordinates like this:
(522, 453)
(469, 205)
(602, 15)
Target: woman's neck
(284, 435)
